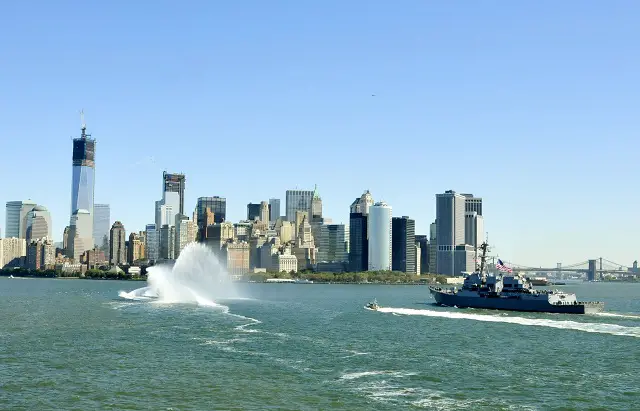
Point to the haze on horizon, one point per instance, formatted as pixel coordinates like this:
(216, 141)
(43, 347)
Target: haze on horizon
(531, 106)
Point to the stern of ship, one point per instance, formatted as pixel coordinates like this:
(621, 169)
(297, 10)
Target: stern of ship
(593, 307)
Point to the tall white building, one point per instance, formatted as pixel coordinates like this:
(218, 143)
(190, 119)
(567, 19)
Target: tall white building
(171, 199)
(298, 200)
(474, 228)
(379, 230)
(15, 219)
(165, 213)
(169, 206)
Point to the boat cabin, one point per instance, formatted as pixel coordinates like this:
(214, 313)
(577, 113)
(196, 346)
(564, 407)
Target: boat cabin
(515, 283)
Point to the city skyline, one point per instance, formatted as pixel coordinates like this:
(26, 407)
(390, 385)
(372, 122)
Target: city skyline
(57, 237)
(465, 93)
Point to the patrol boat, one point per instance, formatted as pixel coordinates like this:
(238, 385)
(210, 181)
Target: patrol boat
(373, 305)
(509, 292)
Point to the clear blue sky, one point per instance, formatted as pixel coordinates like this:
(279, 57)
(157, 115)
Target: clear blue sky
(533, 106)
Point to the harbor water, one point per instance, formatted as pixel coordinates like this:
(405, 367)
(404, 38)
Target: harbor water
(87, 344)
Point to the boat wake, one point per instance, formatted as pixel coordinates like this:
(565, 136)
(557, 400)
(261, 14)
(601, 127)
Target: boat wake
(141, 294)
(196, 278)
(601, 328)
(616, 315)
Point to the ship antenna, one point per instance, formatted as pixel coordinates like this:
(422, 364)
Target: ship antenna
(483, 258)
(475, 248)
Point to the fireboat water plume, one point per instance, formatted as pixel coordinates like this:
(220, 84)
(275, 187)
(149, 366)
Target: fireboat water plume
(197, 277)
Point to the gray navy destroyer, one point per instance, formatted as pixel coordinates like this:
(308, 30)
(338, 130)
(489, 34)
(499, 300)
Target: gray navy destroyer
(509, 292)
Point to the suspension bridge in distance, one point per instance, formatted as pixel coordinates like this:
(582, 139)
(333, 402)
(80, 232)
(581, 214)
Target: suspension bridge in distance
(592, 268)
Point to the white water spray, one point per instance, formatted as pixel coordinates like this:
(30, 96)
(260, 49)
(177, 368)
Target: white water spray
(196, 278)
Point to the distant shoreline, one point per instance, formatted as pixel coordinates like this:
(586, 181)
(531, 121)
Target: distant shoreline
(236, 282)
(37, 277)
(312, 282)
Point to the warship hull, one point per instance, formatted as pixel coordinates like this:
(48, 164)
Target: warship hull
(513, 304)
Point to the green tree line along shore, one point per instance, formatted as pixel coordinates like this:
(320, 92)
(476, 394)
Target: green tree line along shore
(385, 277)
(380, 277)
(89, 274)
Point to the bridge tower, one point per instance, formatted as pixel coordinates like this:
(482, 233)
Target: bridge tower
(591, 274)
(559, 269)
(601, 272)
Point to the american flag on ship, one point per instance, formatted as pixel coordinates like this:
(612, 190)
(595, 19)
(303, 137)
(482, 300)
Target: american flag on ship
(500, 266)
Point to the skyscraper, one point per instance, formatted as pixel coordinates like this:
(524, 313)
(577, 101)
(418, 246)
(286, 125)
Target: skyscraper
(253, 211)
(316, 207)
(380, 237)
(264, 212)
(362, 203)
(135, 248)
(118, 252)
(174, 183)
(185, 233)
(167, 242)
(473, 228)
(332, 243)
(422, 242)
(274, 204)
(403, 245)
(80, 234)
(152, 243)
(358, 232)
(433, 248)
(172, 202)
(166, 213)
(472, 204)
(474, 222)
(298, 200)
(66, 241)
(83, 182)
(464, 259)
(38, 224)
(450, 211)
(459, 229)
(217, 205)
(15, 219)
(101, 226)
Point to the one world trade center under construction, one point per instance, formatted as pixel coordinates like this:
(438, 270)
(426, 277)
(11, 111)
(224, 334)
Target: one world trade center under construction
(82, 188)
